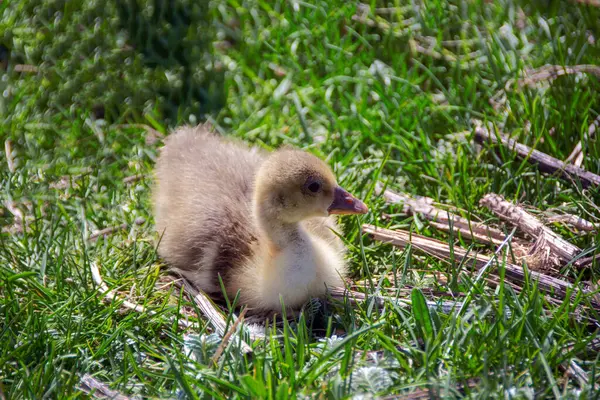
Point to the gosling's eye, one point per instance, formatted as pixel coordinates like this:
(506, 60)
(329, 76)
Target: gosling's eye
(314, 187)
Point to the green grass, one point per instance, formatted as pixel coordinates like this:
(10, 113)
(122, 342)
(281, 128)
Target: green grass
(309, 75)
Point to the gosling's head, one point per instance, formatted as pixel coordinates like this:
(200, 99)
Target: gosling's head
(293, 185)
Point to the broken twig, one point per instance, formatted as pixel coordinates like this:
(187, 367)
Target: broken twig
(445, 220)
(107, 231)
(211, 312)
(133, 178)
(26, 68)
(576, 156)
(112, 229)
(110, 295)
(9, 157)
(574, 221)
(551, 72)
(548, 246)
(19, 218)
(593, 3)
(227, 336)
(442, 251)
(99, 390)
(152, 135)
(544, 162)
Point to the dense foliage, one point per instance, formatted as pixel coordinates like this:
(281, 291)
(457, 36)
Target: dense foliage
(114, 59)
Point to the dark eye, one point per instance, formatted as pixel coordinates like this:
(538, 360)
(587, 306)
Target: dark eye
(314, 187)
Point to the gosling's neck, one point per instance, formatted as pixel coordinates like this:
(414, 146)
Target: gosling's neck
(281, 234)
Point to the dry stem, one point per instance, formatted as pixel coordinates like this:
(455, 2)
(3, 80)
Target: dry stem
(26, 68)
(573, 220)
(551, 72)
(593, 3)
(99, 390)
(112, 229)
(110, 296)
(152, 134)
(441, 250)
(447, 221)
(576, 156)
(212, 313)
(9, 157)
(548, 247)
(544, 162)
(133, 178)
(19, 223)
(230, 332)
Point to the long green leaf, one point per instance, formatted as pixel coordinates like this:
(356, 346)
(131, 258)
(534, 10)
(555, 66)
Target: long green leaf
(421, 313)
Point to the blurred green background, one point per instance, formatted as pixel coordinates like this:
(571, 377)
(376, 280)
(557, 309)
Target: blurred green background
(113, 59)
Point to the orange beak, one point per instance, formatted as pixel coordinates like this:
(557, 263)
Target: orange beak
(344, 203)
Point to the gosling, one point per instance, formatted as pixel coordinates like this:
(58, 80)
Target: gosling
(261, 223)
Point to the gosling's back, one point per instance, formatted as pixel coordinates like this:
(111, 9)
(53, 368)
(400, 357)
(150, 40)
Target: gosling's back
(203, 200)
